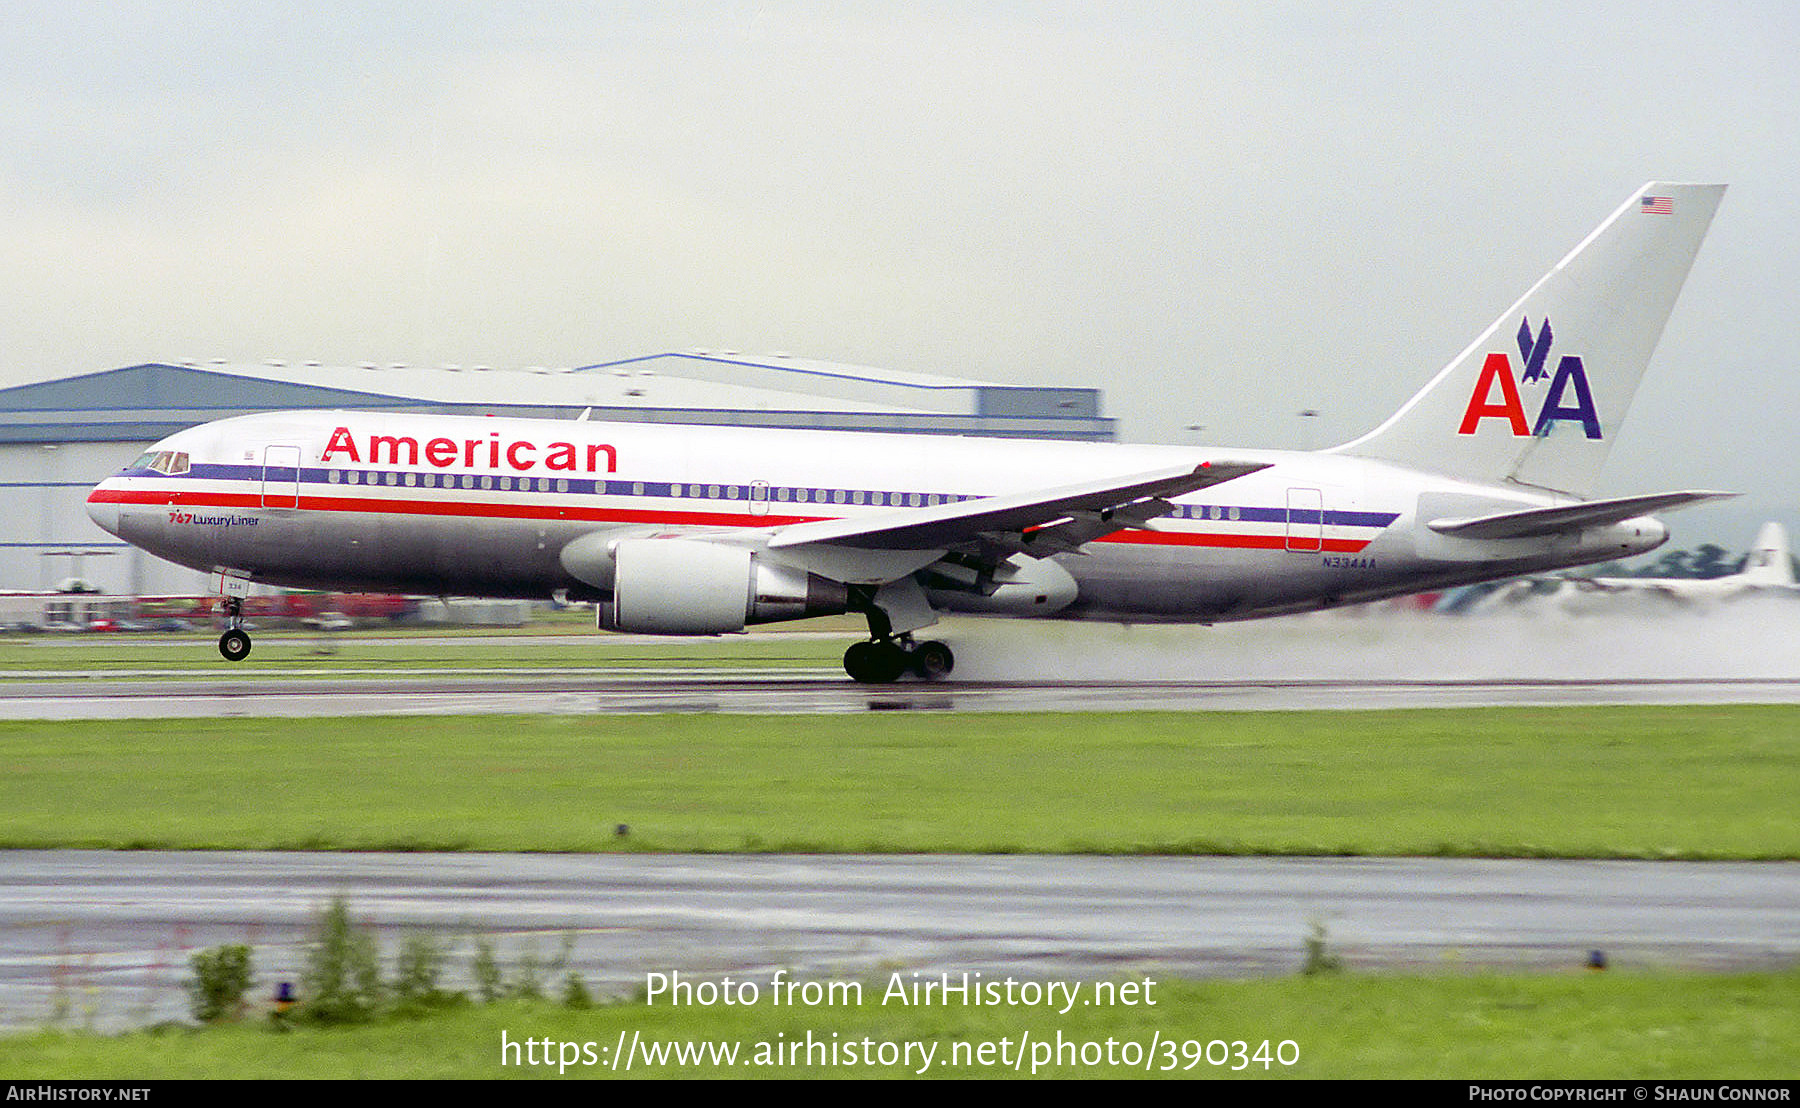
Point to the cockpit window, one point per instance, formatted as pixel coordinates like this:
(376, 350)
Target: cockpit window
(163, 461)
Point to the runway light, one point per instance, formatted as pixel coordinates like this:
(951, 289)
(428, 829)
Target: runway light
(622, 830)
(1596, 960)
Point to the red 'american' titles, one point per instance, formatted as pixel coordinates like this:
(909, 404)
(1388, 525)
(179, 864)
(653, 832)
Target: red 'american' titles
(520, 454)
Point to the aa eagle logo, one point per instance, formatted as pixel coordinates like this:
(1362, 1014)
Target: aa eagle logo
(1568, 396)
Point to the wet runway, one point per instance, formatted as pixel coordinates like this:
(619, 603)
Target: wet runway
(103, 938)
(789, 691)
(1749, 654)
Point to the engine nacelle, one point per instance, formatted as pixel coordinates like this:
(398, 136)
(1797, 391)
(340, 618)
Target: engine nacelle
(690, 587)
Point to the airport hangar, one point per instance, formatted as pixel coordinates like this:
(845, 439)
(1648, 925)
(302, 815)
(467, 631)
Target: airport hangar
(59, 437)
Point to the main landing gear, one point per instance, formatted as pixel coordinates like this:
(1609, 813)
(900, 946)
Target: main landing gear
(234, 644)
(887, 657)
(884, 661)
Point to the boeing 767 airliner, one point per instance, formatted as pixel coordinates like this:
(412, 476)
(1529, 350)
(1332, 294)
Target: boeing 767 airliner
(682, 530)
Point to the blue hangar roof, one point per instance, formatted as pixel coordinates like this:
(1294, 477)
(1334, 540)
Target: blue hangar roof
(145, 402)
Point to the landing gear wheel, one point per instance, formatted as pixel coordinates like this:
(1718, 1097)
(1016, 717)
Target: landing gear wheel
(875, 663)
(234, 645)
(933, 660)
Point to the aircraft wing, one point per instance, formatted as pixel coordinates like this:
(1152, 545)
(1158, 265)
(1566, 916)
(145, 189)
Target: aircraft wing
(1045, 521)
(1534, 522)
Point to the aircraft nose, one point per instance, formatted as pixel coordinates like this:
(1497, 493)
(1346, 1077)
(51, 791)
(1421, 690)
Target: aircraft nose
(103, 509)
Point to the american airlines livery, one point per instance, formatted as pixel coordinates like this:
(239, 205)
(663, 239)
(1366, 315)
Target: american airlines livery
(681, 530)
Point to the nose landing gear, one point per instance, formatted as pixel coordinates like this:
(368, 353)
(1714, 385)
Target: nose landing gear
(234, 644)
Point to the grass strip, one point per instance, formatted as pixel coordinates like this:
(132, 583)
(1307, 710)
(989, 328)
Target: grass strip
(1642, 782)
(1649, 1026)
(276, 652)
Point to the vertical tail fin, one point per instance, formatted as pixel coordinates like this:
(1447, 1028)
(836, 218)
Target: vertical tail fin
(1769, 562)
(1538, 397)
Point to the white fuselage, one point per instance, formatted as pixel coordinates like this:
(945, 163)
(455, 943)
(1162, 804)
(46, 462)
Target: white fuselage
(445, 505)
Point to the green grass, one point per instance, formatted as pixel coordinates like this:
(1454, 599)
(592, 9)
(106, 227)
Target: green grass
(1714, 782)
(1652, 782)
(1573, 1025)
(126, 658)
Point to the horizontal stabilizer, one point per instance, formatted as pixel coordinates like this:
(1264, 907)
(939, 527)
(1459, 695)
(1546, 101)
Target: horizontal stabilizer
(944, 525)
(1558, 518)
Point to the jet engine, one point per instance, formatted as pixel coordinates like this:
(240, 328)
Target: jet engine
(689, 587)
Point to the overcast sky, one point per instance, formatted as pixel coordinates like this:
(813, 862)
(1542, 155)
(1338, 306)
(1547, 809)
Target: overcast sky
(1220, 214)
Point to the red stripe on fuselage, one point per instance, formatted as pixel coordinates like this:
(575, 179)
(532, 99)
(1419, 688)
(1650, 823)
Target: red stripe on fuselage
(483, 510)
(1236, 541)
(469, 509)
